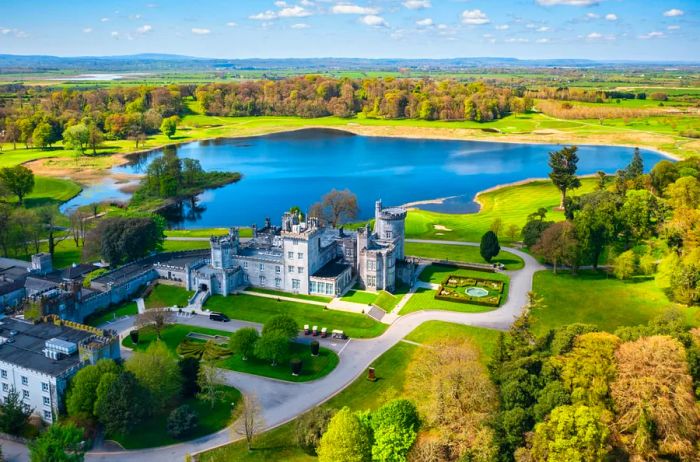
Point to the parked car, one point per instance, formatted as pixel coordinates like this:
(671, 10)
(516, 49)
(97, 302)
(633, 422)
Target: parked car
(219, 317)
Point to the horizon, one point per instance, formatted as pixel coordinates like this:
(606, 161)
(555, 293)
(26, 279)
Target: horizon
(598, 30)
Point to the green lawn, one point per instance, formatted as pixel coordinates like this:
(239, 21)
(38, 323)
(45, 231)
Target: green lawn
(437, 273)
(461, 253)
(165, 296)
(125, 309)
(313, 298)
(259, 309)
(424, 299)
(178, 246)
(360, 296)
(153, 433)
(596, 298)
(312, 367)
(50, 191)
(172, 336)
(206, 232)
(484, 338)
(387, 301)
(512, 204)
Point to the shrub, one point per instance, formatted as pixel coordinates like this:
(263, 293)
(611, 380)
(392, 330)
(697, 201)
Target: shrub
(282, 324)
(314, 347)
(182, 421)
(243, 342)
(296, 365)
(310, 428)
(489, 247)
(189, 370)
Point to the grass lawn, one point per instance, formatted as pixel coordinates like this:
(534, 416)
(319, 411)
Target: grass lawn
(360, 296)
(484, 338)
(177, 246)
(424, 299)
(512, 204)
(314, 298)
(164, 296)
(259, 309)
(125, 309)
(461, 253)
(50, 191)
(65, 254)
(153, 433)
(387, 301)
(312, 367)
(595, 298)
(172, 336)
(437, 273)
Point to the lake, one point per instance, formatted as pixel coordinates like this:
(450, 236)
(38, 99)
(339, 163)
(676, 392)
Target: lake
(297, 168)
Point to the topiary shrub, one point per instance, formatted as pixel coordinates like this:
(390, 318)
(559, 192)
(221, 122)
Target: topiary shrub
(314, 347)
(296, 365)
(182, 421)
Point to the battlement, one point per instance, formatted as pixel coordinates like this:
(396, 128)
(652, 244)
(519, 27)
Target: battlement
(393, 213)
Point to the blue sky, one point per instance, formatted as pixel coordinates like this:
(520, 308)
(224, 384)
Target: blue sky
(596, 29)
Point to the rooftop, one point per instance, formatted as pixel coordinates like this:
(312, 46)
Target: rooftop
(332, 269)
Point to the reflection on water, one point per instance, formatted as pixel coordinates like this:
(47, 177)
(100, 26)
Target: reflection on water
(297, 168)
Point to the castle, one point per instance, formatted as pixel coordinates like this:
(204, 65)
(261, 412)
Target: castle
(305, 257)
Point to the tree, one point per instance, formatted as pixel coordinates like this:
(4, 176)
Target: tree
(282, 324)
(395, 428)
(512, 231)
(251, 420)
(336, 207)
(564, 164)
(77, 137)
(602, 180)
(19, 180)
(624, 265)
(48, 217)
(169, 126)
(124, 239)
(597, 224)
(189, 371)
(82, 393)
(684, 193)
(310, 427)
(14, 413)
(557, 244)
(243, 342)
(59, 443)
(78, 225)
(272, 347)
(124, 406)
(489, 246)
(496, 226)
(157, 319)
(572, 434)
(42, 136)
(656, 412)
(639, 214)
(95, 137)
(346, 439)
(182, 421)
(209, 382)
(156, 369)
(12, 133)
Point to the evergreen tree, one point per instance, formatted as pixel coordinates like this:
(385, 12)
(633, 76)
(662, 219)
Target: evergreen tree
(564, 164)
(489, 247)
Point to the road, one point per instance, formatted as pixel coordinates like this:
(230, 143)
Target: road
(283, 401)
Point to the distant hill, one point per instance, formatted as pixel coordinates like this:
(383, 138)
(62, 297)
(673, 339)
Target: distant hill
(161, 62)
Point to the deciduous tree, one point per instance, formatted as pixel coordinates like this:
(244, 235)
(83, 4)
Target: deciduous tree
(558, 244)
(157, 371)
(346, 439)
(243, 342)
(19, 180)
(59, 443)
(310, 427)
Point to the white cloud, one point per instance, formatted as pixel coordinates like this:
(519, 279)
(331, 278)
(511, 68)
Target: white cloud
(200, 31)
(417, 4)
(517, 40)
(543, 29)
(348, 8)
(231, 24)
(474, 17)
(542, 40)
(104, 20)
(502, 27)
(374, 21)
(300, 25)
(146, 28)
(427, 22)
(592, 16)
(568, 2)
(114, 34)
(673, 27)
(87, 30)
(306, 3)
(294, 12)
(673, 12)
(264, 16)
(594, 36)
(652, 35)
(611, 17)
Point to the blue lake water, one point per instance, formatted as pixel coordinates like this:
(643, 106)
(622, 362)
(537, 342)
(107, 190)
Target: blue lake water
(297, 168)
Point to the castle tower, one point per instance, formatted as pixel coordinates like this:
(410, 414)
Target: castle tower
(223, 249)
(390, 225)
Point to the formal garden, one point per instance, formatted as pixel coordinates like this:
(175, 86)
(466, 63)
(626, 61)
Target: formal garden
(477, 291)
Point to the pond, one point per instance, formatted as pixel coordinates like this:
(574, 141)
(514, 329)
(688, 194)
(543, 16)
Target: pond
(297, 168)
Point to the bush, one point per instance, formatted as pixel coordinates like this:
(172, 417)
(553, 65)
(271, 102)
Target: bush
(282, 324)
(296, 365)
(189, 370)
(182, 421)
(314, 347)
(243, 342)
(310, 428)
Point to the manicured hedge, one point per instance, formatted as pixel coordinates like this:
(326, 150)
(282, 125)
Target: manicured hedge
(452, 282)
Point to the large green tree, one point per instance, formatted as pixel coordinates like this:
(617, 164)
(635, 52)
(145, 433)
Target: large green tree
(282, 324)
(597, 223)
(489, 246)
(346, 439)
(395, 428)
(272, 347)
(82, 393)
(125, 405)
(14, 413)
(59, 443)
(77, 137)
(123, 239)
(564, 164)
(19, 180)
(156, 369)
(243, 341)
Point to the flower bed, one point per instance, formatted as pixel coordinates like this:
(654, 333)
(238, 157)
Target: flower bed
(454, 289)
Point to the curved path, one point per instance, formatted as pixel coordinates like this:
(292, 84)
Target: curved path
(283, 401)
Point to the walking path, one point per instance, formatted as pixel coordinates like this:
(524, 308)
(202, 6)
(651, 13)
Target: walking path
(283, 401)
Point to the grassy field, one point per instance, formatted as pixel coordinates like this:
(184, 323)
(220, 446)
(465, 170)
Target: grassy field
(596, 298)
(390, 369)
(112, 313)
(435, 274)
(172, 336)
(313, 367)
(360, 296)
(164, 296)
(49, 191)
(512, 204)
(313, 298)
(461, 253)
(259, 309)
(206, 232)
(152, 433)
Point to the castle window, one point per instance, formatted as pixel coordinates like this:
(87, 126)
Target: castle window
(245, 264)
(5, 387)
(371, 265)
(44, 386)
(290, 255)
(278, 282)
(25, 380)
(47, 415)
(278, 269)
(47, 401)
(262, 280)
(387, 234)
(312, 286)
(300, 255)
(300, 270)
(3, 374)
(371, 281)
(25, 394)
(290, 269)
(296, 284)
(262, 267)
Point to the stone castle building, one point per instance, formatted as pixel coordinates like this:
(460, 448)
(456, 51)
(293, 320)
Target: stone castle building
(308, 258)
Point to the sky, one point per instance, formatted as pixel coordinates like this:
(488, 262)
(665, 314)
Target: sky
(527, 29)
